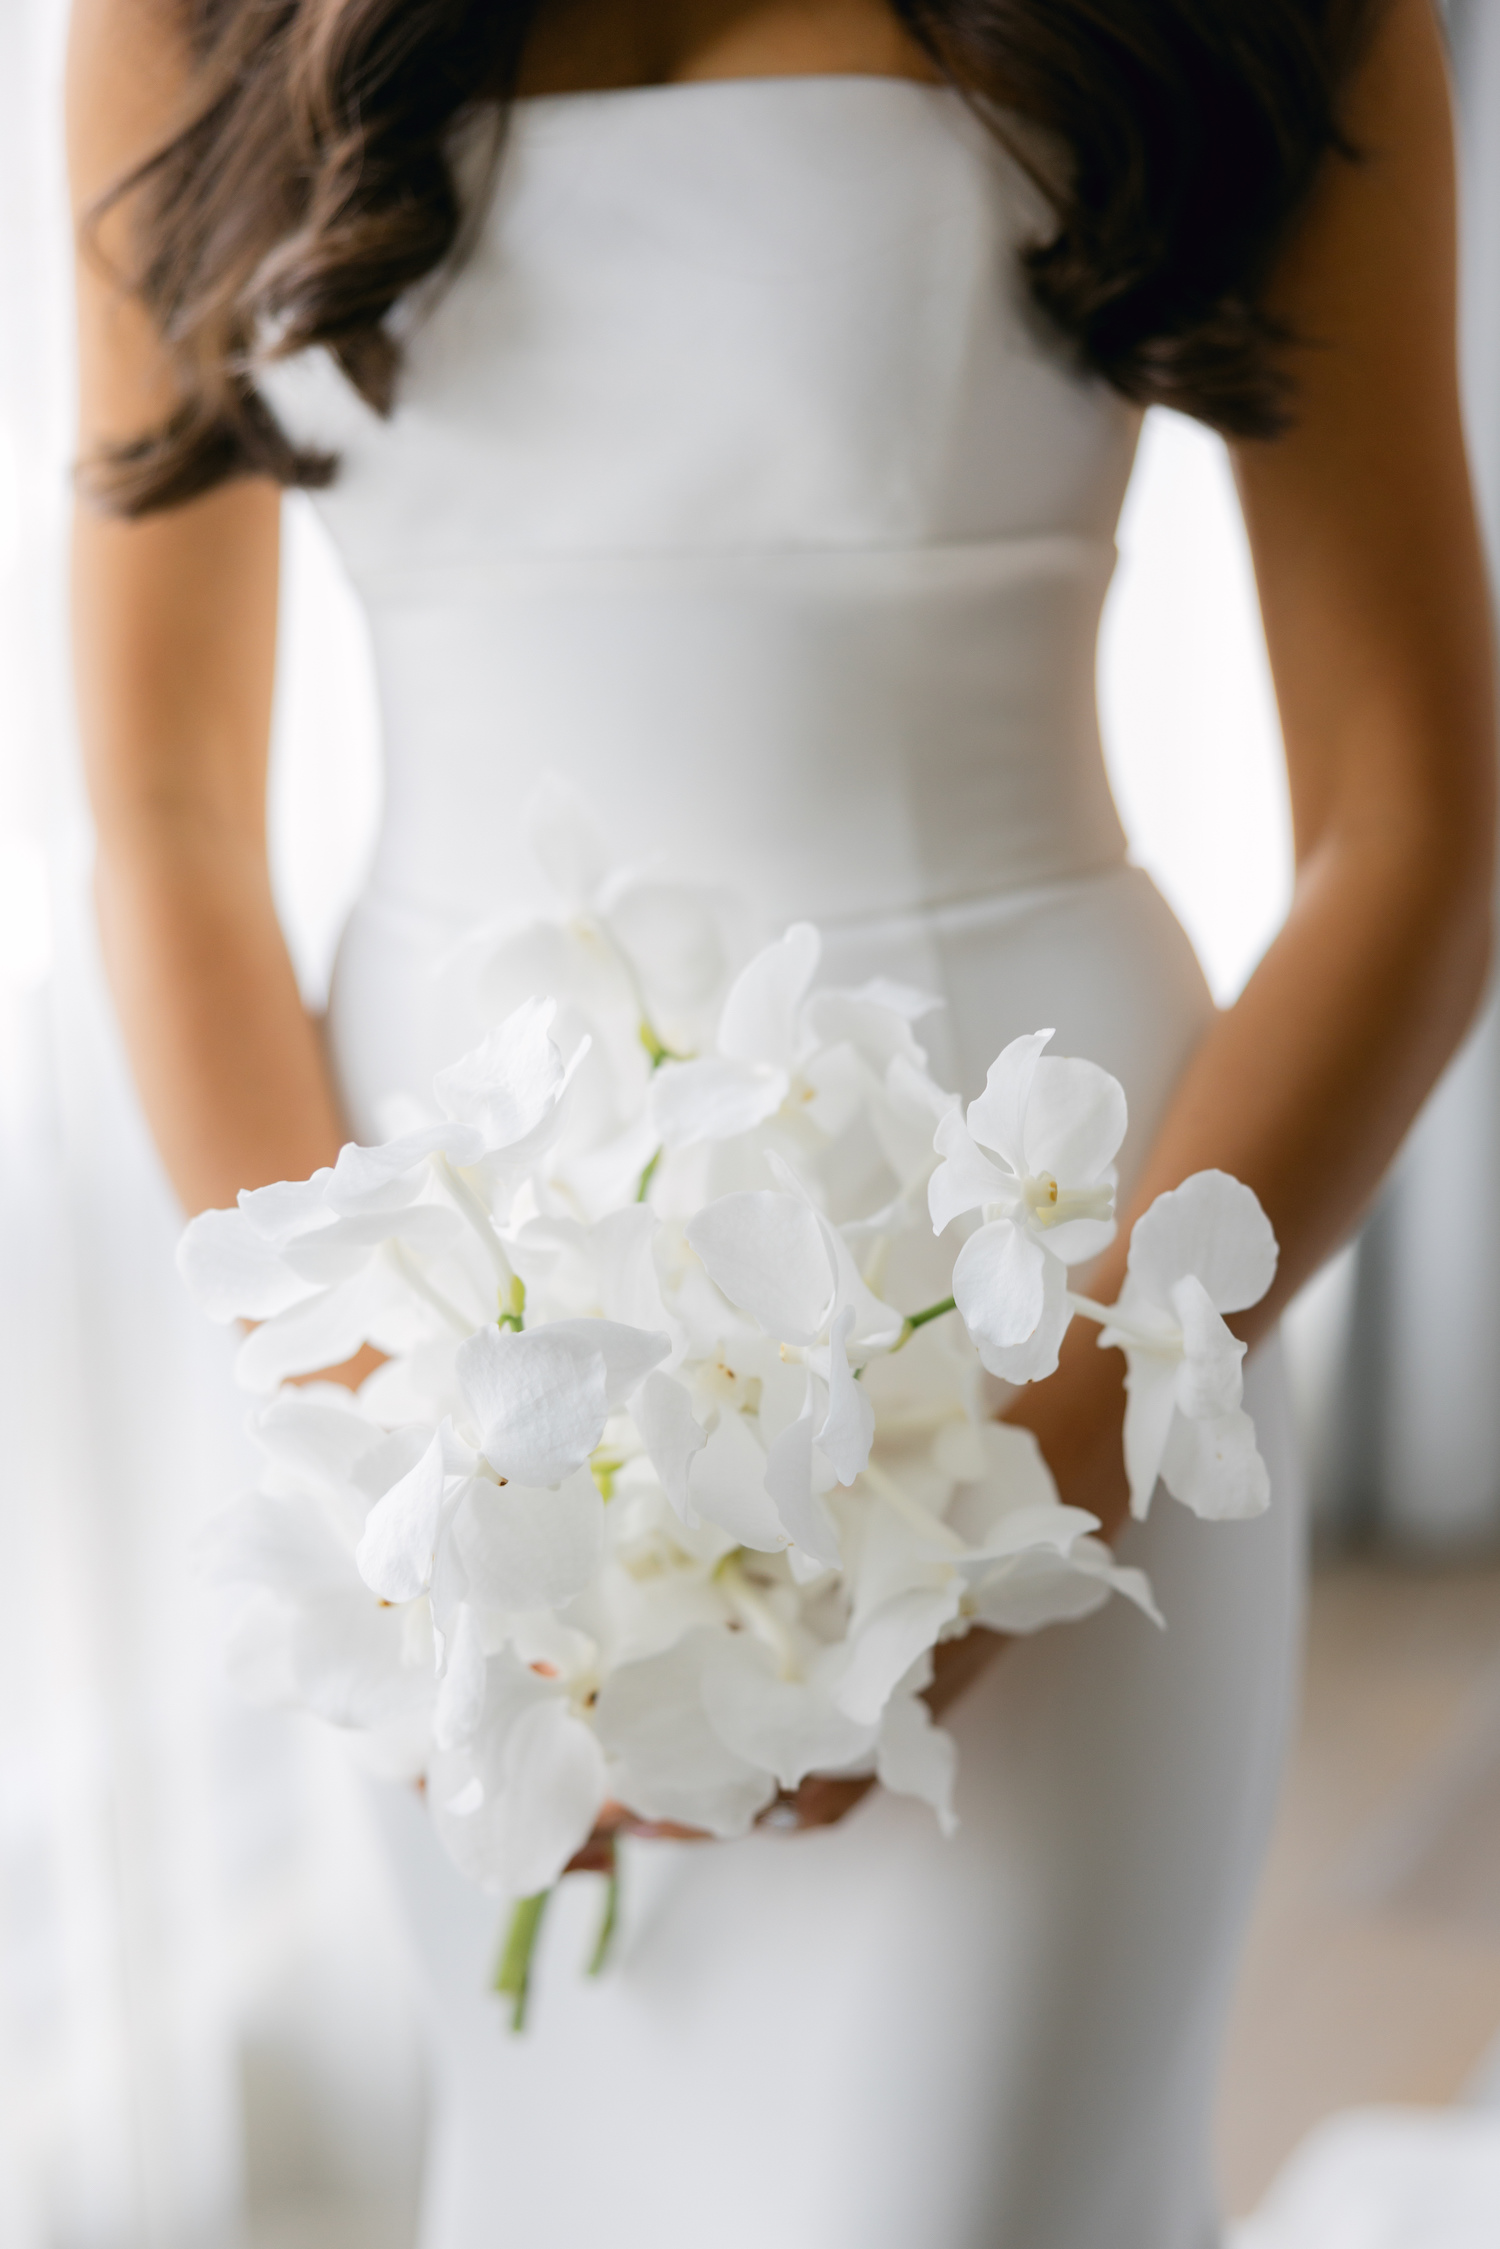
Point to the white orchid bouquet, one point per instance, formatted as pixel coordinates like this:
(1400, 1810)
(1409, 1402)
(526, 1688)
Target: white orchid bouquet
(684, 1455)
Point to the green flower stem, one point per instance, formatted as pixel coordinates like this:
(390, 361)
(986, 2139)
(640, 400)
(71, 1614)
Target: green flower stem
(920, 1319)
(653, 1045)
(647, 1175)
(417, 1281)
(469, 1207)
(513, 1305)
(610, 1919)
(604, 1467)
(513, 1976)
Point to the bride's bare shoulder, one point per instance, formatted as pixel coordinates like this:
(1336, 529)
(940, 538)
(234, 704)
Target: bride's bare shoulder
(128, 67)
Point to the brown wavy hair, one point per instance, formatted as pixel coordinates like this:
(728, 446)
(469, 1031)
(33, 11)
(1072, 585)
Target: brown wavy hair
(310, 183)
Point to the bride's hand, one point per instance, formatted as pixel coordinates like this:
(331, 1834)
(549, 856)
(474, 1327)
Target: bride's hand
(350, 1373)
(1077, 1416)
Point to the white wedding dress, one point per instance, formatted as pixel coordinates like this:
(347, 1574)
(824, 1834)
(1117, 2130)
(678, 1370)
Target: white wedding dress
(734, 483)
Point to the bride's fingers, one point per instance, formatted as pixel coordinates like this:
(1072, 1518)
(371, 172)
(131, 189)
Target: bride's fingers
(956, 1664)
(597, 1855)
(821, 1801)
(665, 1831)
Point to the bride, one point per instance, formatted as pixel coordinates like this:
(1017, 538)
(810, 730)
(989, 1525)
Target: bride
(724, 409)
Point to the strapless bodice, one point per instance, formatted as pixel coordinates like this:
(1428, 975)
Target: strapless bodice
(733, 480)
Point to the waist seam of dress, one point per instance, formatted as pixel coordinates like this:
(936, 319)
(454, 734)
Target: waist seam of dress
(381, 899)
(1077, 551)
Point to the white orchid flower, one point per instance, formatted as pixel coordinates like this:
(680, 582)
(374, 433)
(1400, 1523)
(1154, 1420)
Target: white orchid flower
(1035, 1157)
(790, 1703)
(666, 1761)
(607, 1270)
(1204, 1249)
(540, 1398)
(777, 1258)
(639, 960)
(759, 1043)
(519, 1795)
(914, 1756)
(312, 1633)
(346, 1257)
(398, 1547)
(1032, 1561)
(529, 1548)
(779, 1042)
(778, 1717)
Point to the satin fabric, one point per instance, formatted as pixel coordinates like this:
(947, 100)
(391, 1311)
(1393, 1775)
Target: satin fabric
(734, 482)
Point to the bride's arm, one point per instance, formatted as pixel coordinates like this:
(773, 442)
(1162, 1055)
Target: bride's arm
(1372, 589)
(174, 635)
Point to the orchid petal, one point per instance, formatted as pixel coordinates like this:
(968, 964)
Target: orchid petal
(1078, 1241)
(287, 1207)
(848, 1429)
(543, 1778)
(998, 1117)
(336, 1252)
(539, 1401)
(1211, 1226)
(672, 1434)
(1209, 1380)
(1214, 1468)
(1037, 1589)
(1036, 1358)
(875, 1325)
(233, 1272)
(347, 1658)
(542, 1397)
(529, 1549)
(727, 1487)
(965, 1179)
(623, 1246)
(554, 1786)
(780, 1725)
(915, 1757)
(1021, 1530)
(322, 1330)
(317, 1433)
(767, 1253)
(666, 1760)
(804, 1515)
(460, 1697)
(507, 1085)
(999, 1282)
(394, 1174)
(759, 1022)
(1150, 1403)
(394, 1557)
(1075, 1120)
(1095, 1559)
(713, 1099)
(887, 1646)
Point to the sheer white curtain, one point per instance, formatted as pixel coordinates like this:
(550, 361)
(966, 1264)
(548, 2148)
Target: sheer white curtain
(205, 2035)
